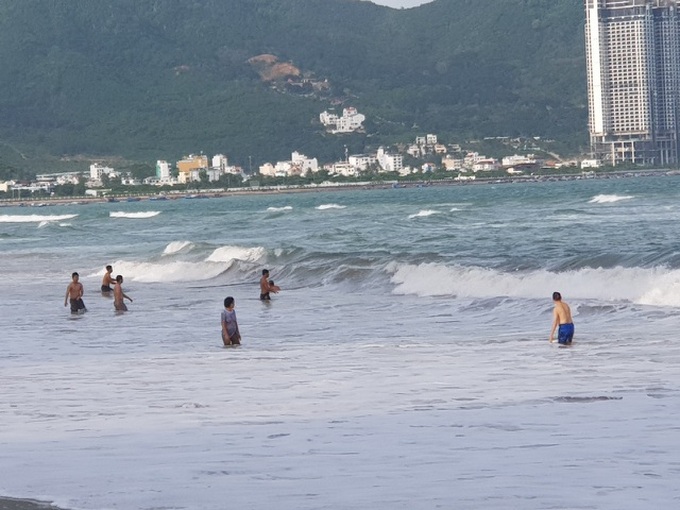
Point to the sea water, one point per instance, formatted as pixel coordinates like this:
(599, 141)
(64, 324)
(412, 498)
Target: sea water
(404, 365)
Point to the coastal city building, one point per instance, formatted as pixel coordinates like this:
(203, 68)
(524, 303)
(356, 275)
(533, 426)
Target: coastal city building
(633, 69)
(163, 171)
(389, 162)
(97, 171)
(189, 168)
(350, 121)
(298, 165)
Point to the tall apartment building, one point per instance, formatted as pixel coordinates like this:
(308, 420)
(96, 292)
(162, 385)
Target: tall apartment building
(633, 60)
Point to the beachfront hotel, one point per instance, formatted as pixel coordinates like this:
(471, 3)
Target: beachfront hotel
(633, 66)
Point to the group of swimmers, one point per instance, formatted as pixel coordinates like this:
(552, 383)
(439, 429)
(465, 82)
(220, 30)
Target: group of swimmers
(75, 291)
(562, 319)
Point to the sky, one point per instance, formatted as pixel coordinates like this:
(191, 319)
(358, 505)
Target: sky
(400, 3)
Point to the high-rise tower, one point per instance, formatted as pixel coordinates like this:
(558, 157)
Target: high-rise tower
(633, 58)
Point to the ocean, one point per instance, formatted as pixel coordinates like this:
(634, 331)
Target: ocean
(404, 365)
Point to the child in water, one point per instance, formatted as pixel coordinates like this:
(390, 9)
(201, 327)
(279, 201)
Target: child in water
(230, 333)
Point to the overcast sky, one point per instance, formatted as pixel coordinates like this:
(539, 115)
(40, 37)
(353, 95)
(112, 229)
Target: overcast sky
(400, 3)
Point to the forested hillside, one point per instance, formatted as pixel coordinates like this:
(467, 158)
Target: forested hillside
(143, 79)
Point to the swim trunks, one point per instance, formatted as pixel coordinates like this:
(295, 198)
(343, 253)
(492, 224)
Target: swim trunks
(265, 297)
(106, 288)
(77, 305)
(565, 334)
(120, 307)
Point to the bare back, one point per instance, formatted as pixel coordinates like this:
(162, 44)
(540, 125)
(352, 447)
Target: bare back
(562, 313)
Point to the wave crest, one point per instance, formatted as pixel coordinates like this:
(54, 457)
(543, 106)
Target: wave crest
(34, 218)
(657, 286)
(134, 215)
(423, 214)
(177, 246)
(325, 207)
(608, 199)
(231, 253)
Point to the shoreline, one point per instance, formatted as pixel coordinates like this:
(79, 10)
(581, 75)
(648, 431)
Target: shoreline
(7, 503)
(276, 190)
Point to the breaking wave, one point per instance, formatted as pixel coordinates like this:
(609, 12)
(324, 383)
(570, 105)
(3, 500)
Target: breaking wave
(609, 199)
(656, 286)
(325, 207)
(423, 214)
(177, 246)
(35, 218)
(134, 215)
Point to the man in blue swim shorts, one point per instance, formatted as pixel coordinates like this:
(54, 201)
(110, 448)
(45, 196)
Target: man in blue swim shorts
(562, 323)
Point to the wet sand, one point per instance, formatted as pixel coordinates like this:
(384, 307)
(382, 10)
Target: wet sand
(24, 504)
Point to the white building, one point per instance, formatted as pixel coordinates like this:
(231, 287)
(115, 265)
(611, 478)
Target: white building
(590, 163)
(389, 162)
(485, 165)
(163, 171)
(517, 159)
(350, 121)
(304, 163)
(345, 169)
(97, 171)
(219, 162)
(362, 161)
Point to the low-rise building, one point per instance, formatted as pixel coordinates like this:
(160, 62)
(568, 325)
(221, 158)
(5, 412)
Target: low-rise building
(362, 161)
(97, 171)
(189, 168)
(591, 163)
(350, 121)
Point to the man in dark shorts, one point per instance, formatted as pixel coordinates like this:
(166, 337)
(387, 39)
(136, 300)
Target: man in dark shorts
(108, 280)
(74, 294)
(562, 322)
(267, 286)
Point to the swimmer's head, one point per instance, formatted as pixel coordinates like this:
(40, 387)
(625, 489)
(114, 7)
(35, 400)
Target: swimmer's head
(557, 296)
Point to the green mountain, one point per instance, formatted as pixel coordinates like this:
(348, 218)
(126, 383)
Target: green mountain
(148, 79)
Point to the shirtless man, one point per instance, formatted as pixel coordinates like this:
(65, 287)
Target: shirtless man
(563, 321)
(119, 295)
(74, 294)
(267, 286)
(108, 280)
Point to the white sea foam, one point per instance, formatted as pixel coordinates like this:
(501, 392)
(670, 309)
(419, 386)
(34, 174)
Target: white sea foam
(34, 218)
(177, 271)
(231, 253)
(423, 214)
(177, 246)
(325, 207)
(280, 209)
(654, 286)
(134, 215)
(609, 199)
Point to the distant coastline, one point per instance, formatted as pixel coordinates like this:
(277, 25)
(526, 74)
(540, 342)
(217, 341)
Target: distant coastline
(274, 190)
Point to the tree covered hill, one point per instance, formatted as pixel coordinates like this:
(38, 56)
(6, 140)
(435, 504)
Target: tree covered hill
(144, 79)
